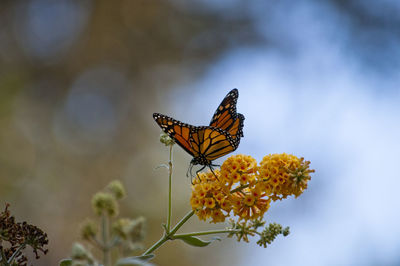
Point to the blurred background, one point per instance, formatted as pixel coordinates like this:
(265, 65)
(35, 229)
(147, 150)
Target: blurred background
(79, 81)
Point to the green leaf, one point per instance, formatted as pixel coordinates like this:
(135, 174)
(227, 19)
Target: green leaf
(135, 261)
(66, 262)
(195, 241)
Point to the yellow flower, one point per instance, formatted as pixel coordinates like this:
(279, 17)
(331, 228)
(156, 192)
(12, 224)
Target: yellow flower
(246, 178)
(219, 197)
(234, 166)
(217, 216)
(234, 177)
(201, 194)
(209, 203)
(203, 214)
(249, 200)
(226, 205)
(284, 175)
(206, 187)
(196, 203)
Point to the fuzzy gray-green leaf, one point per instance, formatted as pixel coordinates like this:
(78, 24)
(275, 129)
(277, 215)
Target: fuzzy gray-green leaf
(194, 241)
(135, 261)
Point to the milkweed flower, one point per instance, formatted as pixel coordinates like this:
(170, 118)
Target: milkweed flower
(246, 189)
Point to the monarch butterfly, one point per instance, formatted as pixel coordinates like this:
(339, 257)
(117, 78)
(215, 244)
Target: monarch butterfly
(207, 143)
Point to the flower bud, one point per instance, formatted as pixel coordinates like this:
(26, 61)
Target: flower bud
(166, 140)
(286, 231)
(89, 230)
(104, 202)
(117, 189)
(129, 229)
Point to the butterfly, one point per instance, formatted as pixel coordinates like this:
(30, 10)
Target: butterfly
(207, 143)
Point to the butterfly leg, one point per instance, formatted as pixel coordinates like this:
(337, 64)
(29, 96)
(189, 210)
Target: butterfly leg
(212, 170)
(197, 173)
(190, 173)
(189, 170)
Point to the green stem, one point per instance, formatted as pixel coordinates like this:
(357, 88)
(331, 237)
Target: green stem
(181, 222)
(96, 242)
(169, 189)
(106, 249)
(3, 257)
(244, 186)
(238, 188)
(170, 235)
(208, 233)
(10, 260)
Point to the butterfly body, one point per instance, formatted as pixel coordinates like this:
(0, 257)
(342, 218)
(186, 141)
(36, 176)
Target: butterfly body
(207, 143)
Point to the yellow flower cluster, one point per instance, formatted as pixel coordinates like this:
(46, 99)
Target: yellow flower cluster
(283, 175)
(210, 198)
(247, 189)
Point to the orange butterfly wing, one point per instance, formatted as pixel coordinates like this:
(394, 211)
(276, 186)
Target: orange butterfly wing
(212, 143)
(178, 131)
(225, 114)
(226, 118)
(236, 130)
